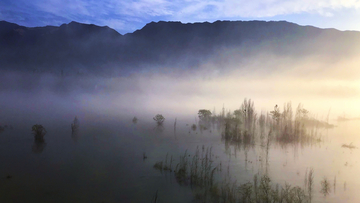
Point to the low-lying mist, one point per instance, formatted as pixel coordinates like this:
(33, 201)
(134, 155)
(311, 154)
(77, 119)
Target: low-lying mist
(318, 83)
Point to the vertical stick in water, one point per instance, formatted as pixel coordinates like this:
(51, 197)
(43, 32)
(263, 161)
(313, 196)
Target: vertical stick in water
(175, 125)
(155, 197)
(310, 182)
(335, 184)
(175, 128)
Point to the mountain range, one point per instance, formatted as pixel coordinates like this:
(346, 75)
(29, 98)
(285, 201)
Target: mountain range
(77, 47)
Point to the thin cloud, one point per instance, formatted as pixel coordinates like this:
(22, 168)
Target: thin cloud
(146, 8)
(199, 10)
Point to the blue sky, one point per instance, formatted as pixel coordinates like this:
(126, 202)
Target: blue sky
(127, 16)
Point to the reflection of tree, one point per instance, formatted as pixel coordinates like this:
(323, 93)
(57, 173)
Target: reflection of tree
(38, 146)
(159, 128)
(75, 135)
(75, 125)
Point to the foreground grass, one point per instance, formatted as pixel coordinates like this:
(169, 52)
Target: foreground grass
(198, 171)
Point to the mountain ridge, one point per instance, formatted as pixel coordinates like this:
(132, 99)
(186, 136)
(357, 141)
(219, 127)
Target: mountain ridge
(93, 48)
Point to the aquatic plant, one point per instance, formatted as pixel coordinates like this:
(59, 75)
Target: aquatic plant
(159, 119)
(39, 132)
(134, 120)
(75, 124)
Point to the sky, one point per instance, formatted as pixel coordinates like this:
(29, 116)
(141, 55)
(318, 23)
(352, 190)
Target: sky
(129, 15)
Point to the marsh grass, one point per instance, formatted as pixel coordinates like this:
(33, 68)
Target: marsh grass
(309, 183)
(243, 125)
(325, 187)
(198, 172)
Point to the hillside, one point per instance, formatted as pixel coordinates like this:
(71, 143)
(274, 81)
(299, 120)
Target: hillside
(77, 47)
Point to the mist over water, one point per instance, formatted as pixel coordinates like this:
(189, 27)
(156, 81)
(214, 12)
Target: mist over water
(106, 106)
(268, 80)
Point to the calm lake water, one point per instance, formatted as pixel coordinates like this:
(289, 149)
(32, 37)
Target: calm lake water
(104, 161)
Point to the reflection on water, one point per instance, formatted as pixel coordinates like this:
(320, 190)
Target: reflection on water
(159, 128)
(134, 120)
(38, 146)
(75, 135)
(233, 150)
(39, 142)
(242, 131)
(75, 125)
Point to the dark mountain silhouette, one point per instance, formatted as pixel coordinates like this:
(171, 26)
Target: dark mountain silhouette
(89, 48)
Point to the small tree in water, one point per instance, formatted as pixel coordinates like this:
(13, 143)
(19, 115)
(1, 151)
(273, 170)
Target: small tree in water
(134, 120)
(205, 118)
(204, 114)
(159, 119)
(39, 132)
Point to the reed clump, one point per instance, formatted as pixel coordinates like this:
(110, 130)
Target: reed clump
(302, 129)
(240, 125)
(244, 126)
